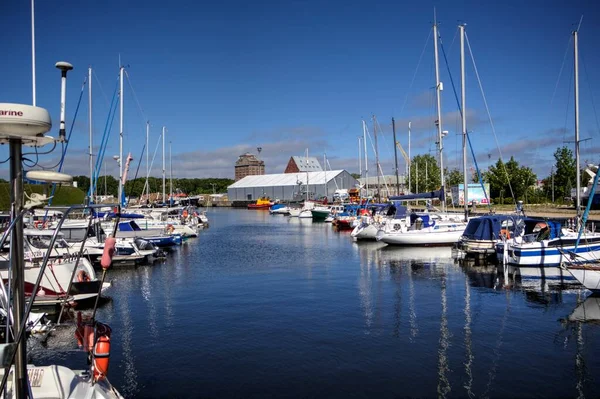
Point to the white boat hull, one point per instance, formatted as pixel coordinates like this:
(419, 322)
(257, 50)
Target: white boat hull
(588, 275)
(365, 232)
(420, 237)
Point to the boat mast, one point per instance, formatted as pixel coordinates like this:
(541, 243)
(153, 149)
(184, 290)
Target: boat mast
(91, 154)
(463, 108)
(325, 166)
(146, 186)
(307, 174)
(163, 165)
(121, 69)
(438, 92)
(366, 159)
(360, 156)
(376, 158)
(171, 175)
(396, 157)
(409, 158)
(576, 92)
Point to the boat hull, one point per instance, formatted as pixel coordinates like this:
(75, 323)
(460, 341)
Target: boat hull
(320, 215)
(420, 238)
(587, 275)
(365, 232)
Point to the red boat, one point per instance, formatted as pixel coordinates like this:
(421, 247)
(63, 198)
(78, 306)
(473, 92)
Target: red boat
(261, 203)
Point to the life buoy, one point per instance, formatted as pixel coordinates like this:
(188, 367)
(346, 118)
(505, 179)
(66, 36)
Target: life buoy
(505, 233)
(185, 213)
(101, 353)
(82, 276)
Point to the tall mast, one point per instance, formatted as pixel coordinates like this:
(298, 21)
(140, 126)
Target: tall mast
(359, 156)
(147, 158)
(463, 107)
(163, 165)
(33, 52)
(121, 135)
(91, 154)
(576, 91)
(376, 159)
(396, 157)
(438, 92)
(410, 159)
(325, 165)
(366, 158)
(170, 174)
(307, 174)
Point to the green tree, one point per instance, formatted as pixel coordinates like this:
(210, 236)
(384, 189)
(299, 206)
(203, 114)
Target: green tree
(355, 175)
(424, 174)
(83, 183)
(504, 176)
(454, 177)
(565, 174)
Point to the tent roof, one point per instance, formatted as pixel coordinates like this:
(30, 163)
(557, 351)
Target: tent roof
(286, 179)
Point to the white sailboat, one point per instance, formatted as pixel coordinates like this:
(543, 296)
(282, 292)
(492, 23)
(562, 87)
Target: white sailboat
(540, 257)
(431, 229)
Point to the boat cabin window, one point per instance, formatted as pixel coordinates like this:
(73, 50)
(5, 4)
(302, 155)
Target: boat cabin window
(75, 234)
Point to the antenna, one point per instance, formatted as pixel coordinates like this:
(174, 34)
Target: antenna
(64, 68)
(259, 149)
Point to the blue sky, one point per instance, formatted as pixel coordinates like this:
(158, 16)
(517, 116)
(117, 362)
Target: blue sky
(227, 77)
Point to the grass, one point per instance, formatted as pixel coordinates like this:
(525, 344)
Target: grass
(63, 195)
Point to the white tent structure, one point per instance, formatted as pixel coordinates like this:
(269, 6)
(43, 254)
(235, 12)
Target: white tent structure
(291, 186)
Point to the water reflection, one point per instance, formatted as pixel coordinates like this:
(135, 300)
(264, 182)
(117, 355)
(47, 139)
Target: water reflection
(443, 388)
(587, 311)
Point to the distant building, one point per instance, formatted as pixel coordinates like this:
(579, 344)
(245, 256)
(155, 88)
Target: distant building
(291, 187)
(248, 165)
(303, 164)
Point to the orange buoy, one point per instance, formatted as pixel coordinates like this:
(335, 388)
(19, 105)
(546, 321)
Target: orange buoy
(101, 352)
(505, 233)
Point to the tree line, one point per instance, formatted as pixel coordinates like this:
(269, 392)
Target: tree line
(509, 181)
(108, 185)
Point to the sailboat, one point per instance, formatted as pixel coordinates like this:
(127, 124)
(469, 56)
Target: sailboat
(537, 256)
(435, 228)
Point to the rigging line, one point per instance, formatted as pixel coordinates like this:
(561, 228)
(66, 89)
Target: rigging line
(415, 74)
(101, 88)
(136, 98)
(568, 104)
(453, 40)
(487, 108)
(587, 78)
(104, 141)
(561, 70)
(136, 172)
(386, 144)
(65, 147)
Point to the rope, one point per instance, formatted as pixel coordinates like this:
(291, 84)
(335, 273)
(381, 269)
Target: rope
(105, 135)
(136, 171)
(460, 110)
(490, 117)
(415, 74)
(561, 69)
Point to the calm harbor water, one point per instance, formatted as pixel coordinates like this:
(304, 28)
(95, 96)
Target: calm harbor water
(269, 306)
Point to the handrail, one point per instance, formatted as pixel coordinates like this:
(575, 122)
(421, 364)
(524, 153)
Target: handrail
(36, 287)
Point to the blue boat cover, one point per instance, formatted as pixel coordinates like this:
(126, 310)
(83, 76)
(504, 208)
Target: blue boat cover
(488, 227)
(129, 225)
(427, 221)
